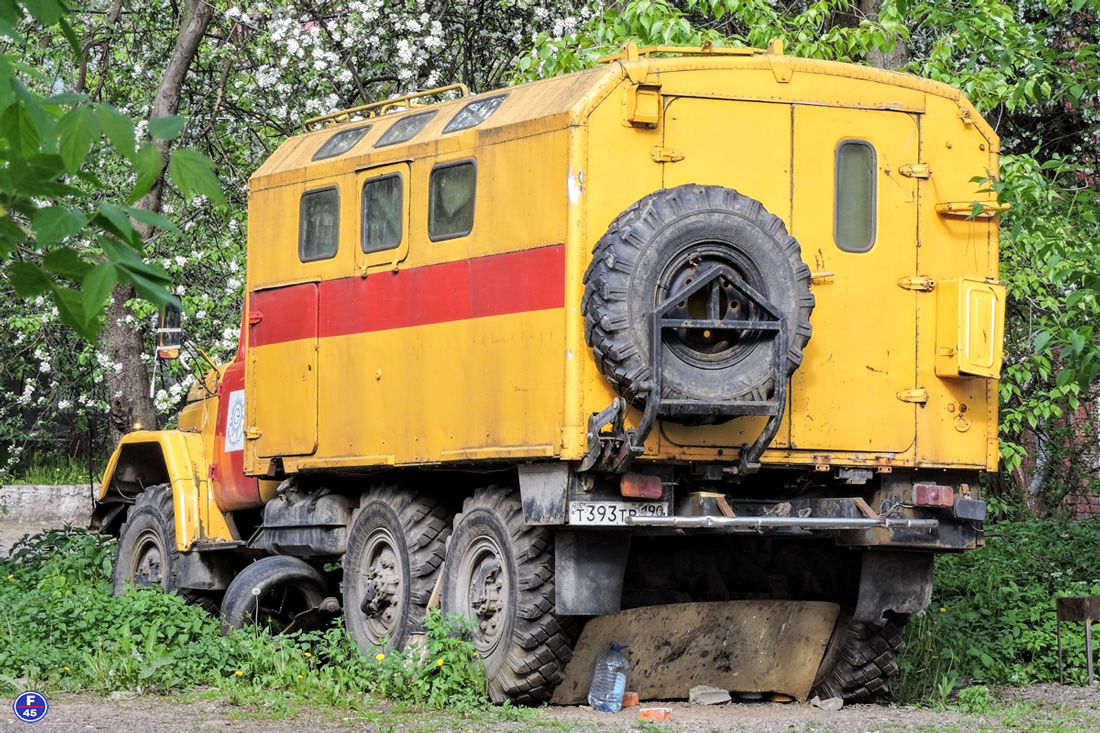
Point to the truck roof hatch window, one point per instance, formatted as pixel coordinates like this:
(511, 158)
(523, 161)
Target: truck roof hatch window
(404, 129)
(474, 113)
(341, 142)
(854, 196)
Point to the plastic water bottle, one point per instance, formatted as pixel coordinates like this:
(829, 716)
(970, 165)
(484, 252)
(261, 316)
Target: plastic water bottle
(609, 681)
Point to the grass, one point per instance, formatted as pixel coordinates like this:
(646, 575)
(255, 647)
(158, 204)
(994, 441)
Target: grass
(54, 469)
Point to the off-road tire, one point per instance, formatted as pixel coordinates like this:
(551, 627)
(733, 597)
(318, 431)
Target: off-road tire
(398, 526)
(527, 645)
(648, 248)
(866, 660)
(301, 585)
(150, 526)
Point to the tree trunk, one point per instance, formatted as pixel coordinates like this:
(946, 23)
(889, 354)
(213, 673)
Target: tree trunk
(128, 377)
(897, 58)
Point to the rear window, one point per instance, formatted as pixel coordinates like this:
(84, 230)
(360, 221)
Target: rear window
(319, 224)
(451, 190)
(854, 198)
(383, 213)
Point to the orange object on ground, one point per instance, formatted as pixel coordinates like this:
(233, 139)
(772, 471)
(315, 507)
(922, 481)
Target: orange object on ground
(657, 715)
(630, 699)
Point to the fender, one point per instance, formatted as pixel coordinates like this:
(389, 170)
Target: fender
(145, 458)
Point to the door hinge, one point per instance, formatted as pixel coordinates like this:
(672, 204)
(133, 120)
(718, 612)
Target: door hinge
(917, 396)
(665, 155)
(254, 317)
(917, 282)
(915, 170)
(253, 433)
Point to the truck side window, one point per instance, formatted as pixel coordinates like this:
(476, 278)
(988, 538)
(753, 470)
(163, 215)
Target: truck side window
(854, 202)
(319, 224)
(451, 190)
(382, 213)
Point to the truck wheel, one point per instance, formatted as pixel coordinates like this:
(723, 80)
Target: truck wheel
(395, 549)
(865, 660)
(499, 574)
(657, 247)
(271, 592)
(147, 553)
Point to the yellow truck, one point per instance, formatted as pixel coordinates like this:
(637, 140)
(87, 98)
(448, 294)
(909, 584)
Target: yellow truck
(696, 350)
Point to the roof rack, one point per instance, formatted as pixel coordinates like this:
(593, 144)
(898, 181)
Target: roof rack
(631, 52)
(380, 108)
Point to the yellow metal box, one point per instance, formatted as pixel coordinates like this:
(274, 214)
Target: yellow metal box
(970, 327)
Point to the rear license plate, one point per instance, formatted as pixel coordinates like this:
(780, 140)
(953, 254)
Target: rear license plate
(596, 513)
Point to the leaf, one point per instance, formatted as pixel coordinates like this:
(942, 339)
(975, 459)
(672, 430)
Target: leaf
(47, 12)
(119, 129)
(147, 165)
(193, 173)
(114, 219)
(151, 218)
(76, 131)
(155, 292)
(98, 285)
(17, 125)
(167, 128)
(55, 223)
(66, 262)
(70, 308)
(65, 99)
(28, 280)
(70, 36)
(129, 260)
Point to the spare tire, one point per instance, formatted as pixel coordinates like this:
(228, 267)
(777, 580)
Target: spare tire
(654, 249)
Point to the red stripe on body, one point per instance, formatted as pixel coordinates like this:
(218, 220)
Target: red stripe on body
(515, 282)
(285, 314)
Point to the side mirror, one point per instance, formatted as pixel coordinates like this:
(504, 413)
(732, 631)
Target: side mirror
(169, 333)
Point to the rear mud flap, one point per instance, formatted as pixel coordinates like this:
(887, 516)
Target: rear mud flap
(742, 646)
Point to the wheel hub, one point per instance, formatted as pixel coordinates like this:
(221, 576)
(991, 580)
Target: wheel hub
(148, 567)
(381, 602)
(720, 300)
(486, 598)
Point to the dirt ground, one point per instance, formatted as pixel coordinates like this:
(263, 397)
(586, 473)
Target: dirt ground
(1038, 709)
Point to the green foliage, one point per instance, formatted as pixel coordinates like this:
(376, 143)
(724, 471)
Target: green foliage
(1053, 276)
(63, 630)
(53, 231)
(975, 700)
(992, 616)
(53, 469)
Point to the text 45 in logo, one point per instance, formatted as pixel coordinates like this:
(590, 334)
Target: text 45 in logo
(30, 707)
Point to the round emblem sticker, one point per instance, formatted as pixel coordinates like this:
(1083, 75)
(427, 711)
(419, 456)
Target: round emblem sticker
(30, 707)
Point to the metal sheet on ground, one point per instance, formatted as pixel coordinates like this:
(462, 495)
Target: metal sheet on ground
(744, 646)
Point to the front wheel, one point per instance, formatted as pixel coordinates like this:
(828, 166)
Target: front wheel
(147, 554)
(499, 574)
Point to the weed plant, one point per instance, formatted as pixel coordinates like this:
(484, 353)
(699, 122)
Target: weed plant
(62, 630)
(992, 617)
